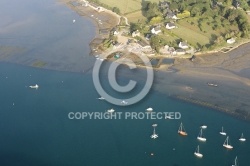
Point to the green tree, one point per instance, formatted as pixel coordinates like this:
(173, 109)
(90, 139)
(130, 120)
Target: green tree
(134, 27)
(151, 10)
(155, 20)
(174, 6)
(157, 42)
(181, 7)
(195, 11)
(116, 10)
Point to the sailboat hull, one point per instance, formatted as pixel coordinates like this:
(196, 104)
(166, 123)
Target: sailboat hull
(242, 139)
(228, 146)
(223, 133)
(183, 133)
(202, 139)
(203, 127)
(198, 154)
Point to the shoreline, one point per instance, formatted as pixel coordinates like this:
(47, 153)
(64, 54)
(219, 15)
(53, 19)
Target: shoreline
(104, 20)
(184, 68)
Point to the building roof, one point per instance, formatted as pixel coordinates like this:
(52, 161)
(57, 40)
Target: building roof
(142, 43)
(157, 28)
(164, 4)
(180, 50)
(230, 41)
(183, 45)
(170, 24)
(170, 15)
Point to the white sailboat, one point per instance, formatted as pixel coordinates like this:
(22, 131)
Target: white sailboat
(168, 117)
(154, 125)
(197, 152)
(223, 132)
(34, 86)
(236, 163)
(181, 130)
(201, 137)
(154, 135)
(149, 109)
(111, 110)
(242, 138)
(203, 126)
(227, 144)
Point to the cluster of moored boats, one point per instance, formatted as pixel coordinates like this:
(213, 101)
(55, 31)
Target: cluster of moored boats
(201, 138)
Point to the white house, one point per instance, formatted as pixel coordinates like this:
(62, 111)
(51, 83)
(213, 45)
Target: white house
(156, 30)
(136, 33)
(170, 25)
(231, 41)
(172, 16)
(183, 45)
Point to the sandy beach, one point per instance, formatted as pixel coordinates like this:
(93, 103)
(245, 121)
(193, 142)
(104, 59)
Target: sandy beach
(104, 21)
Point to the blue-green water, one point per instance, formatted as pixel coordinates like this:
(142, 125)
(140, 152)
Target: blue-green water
(34, 124)
(36, 129)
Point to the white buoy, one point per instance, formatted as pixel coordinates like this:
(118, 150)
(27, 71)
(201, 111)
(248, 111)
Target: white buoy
(74, 21)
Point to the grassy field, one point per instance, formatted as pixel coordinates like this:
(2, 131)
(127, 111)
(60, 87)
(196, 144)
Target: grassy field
(126, 6)
(135, 16)
(193, 37)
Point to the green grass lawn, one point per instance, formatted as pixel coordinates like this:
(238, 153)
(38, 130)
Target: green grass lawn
(135, 16)
(191, 36)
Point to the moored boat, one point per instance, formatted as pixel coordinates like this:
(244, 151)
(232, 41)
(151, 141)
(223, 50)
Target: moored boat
(149, 109)
(197, 152)
(182, 131)
(223, 132)
(111, 110)
(242, 138)
(203, 126)
(200, 137)
(227, 144)
(154, 135)
(34, 86)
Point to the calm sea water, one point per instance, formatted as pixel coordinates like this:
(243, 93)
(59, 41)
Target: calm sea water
(34, 124)
(36, 129)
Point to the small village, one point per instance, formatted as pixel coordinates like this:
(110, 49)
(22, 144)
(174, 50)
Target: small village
(156, 40)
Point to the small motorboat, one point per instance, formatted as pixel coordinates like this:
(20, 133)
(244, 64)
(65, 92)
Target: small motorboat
(34, 86)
